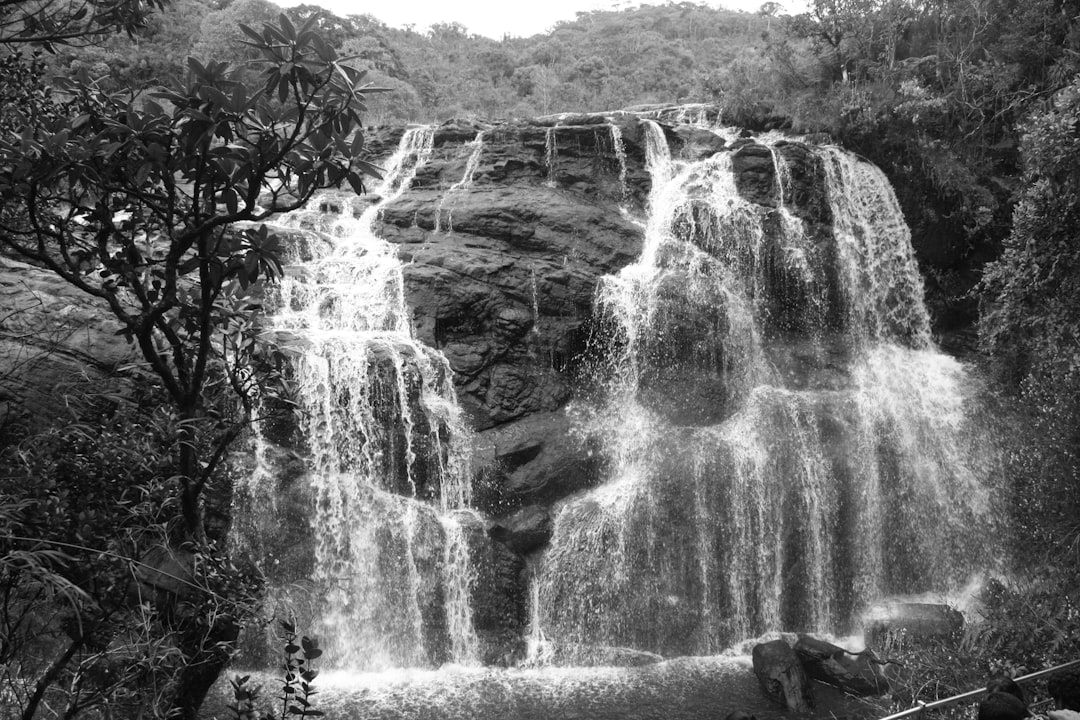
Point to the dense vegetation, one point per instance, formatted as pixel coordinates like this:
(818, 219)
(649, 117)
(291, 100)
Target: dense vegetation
(971, 107)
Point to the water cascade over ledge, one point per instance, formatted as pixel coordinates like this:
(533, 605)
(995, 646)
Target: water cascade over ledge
(785, 444)
(385, 443)
(743, 428)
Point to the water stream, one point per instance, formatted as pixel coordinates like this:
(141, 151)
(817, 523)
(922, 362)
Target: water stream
(385, 444)
(778, 423)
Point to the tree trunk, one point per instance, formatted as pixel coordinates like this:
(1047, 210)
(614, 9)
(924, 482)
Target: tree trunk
(207, 652)
(190, 471)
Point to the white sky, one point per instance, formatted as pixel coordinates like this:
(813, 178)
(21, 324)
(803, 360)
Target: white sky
(492, 18)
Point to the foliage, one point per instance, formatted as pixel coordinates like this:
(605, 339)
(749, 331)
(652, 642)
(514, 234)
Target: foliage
(601, 61)
(94, 613)
(137, 205)
(1031, 324)
(220, 39)
(1012, 629)
(51, 23)
(297, 684)
(153, 207)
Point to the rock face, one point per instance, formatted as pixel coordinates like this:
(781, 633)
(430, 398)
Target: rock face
(505, 232)
(55, 343)
(833, 665)
(781, 676)
(501, 269)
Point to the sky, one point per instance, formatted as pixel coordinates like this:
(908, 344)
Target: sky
(493, 18)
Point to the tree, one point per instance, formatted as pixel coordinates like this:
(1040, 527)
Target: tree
(154, 209)
(137, 205)
(840, 28)
(220, 37)
(67, 22)
(1031, 321)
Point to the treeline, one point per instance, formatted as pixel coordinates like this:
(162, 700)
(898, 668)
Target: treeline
(602, 60)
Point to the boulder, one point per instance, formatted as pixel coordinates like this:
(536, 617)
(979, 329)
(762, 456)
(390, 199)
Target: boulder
(537, 459)
(524, 531)
(916, 620)
(165, 575)
(781, 675)
(854, 673)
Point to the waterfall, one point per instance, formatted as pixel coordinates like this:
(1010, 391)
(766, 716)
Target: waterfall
(620, 156)
(551, 155)
(785, 444)
(383, 440)
(461, 185)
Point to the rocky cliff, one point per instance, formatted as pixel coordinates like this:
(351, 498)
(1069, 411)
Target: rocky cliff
(505, 233)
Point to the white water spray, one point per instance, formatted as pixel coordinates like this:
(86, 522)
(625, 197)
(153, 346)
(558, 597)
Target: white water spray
(383, 433)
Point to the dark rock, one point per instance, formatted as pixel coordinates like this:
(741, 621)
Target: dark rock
(537, 459)
(917, 620)
(165, 575)
(498, 595)
(697, 143)
(458, 131)
(524, 531)
(695, 364)
(833, 665)
(781, 675)
(57, 345)
(755, 173)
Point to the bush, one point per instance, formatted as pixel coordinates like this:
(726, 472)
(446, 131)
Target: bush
(100, 606)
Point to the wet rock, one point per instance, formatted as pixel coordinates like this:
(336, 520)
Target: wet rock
(536, 459)
(498, 595)
(916, 620)
(458, 131)
(755, 174)
(833, 665)
(697, 143)
(695, 362)
(781, 675)
(524, 531)
(501, 273)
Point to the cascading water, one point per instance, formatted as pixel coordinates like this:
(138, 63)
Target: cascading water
(461, 185)
(384, 442)
(785, 444)
(551, 155)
